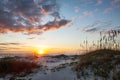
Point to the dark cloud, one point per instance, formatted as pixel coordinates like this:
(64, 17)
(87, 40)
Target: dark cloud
(10, 43)
(6, 46)
(55, 24)
(3, 48)
(9, 46)
(26, 16)
(91, 30)
(101, 27)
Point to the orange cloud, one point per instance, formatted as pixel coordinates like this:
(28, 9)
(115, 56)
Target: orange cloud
(27, 16)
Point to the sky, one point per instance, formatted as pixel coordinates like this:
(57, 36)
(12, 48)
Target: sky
(55, 26)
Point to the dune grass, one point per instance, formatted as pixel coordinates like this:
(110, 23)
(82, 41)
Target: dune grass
(99, 55)
(103, 63)
(10, 65)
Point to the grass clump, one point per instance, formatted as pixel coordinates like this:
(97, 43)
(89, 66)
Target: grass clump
(10, 65)
(103, 63)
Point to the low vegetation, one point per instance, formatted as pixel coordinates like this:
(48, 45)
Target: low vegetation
(15, 66)
(104, 64)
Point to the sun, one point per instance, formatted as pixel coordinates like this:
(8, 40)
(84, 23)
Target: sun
(41, 51)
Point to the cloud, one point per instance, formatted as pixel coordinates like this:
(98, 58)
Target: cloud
(10, 43)
(87, 13)
(90, 2)
(107, 10)
(31, 38)
(41, 38)
(115, 3)
(77, 9)
(91, 30)
(11, 46)
(101, 27)
(27, 16)
(9, 49)
(55, 25)
(87, 2)
(99, 2)
(2, 48)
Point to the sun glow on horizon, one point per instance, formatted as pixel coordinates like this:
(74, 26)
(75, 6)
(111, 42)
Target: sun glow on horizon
(41, 52)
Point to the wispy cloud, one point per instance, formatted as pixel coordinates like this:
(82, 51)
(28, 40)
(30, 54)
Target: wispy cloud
(10, 43)
(31, 38)
(115, 3)
(90, 2)
(2, 48)
(101, 27)
(87, 13)
(6, 46)
(99, 2)
(11, 47)
(26, 16)
(107, 10)
(41, 38)
(77, 9)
